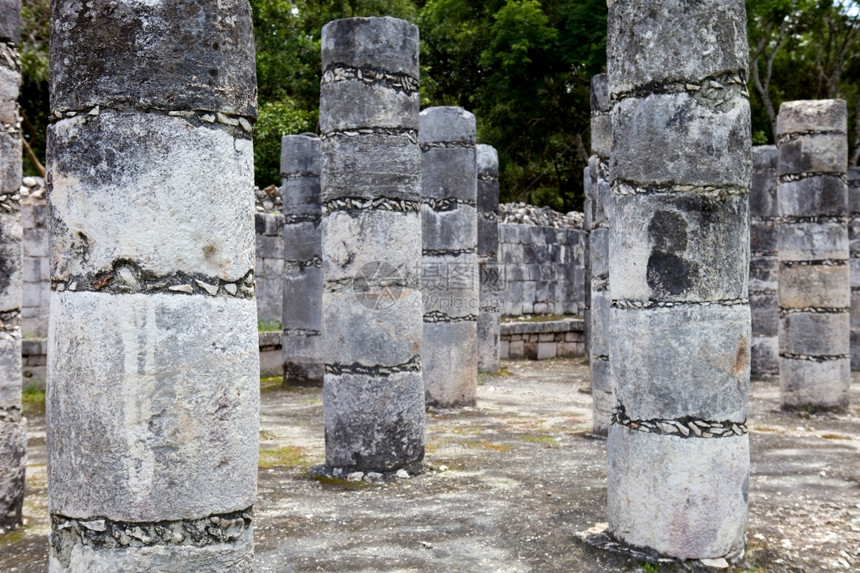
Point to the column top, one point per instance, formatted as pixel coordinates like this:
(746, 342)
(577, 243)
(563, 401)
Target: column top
(446, 124)
(600, 94)
(487, 159)
(389, 44)
(808, 116)
(300, 155)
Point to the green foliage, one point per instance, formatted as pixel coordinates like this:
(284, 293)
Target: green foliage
(274, 120)
(33, 97)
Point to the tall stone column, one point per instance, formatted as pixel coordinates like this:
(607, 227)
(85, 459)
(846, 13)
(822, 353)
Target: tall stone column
(450, 260)
(303, 280)
(13, 427)
(598, 238)
(153, 367)
(764, 263)
(854, 253)
(373, 395)
(490, 276)
(678, 448)
(814, 270)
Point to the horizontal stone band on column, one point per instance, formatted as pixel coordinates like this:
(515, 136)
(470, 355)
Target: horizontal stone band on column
(449, 252)
(815, 263)
(236, 125)
(10, 320)
(10, 414)
(638, 304)
(788, 137)
(447, 204)
(686, 427)
(377, 204)
(301, 332)
(410, 134)
(437, 316)
(127, 277)
(814, 358)
(815, 310)
(623, 188)
(392, 80)
(711, 91)
(413, 365)
(101, 532)
(428, 145)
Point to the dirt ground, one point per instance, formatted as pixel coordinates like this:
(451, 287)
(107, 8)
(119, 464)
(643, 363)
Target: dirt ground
(509, 484)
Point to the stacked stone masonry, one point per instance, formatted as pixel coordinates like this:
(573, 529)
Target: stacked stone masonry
(814, 267)
(543, 340)
(450, 261)
(269, 270)
(373, 392)
(854, 252)
(150, 177)
(302, 262)
(764, 263)
(600, 202)
(13, 435)
(680, 171)
(490, 272)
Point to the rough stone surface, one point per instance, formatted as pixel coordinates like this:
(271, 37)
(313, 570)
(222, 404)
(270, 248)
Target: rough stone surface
(302, 279)
(489, 273)
(153, 361)
(450, 282)
(680, 170)
(131, 60)
(854, 254)
(764, 263)
(813, 243)
(12, 426)
(373, 394)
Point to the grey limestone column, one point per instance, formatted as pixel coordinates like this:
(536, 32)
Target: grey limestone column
(373, 394)
(764, 263)
(450, 262)
(153, 367)
(854, 250)
(303, 281)
(678, 448)
(490, 275)
(598, 238)
(814, 270)
(13, 427)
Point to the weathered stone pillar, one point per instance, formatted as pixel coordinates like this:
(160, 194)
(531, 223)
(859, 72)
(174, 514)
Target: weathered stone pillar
(450, 264)
(814, 272)
(678, 448)
(13, 427)
(598, 238)
(764, 263)
(153, 368)
(854, 249)
(490, 275)
(303, 281)
(373, 396)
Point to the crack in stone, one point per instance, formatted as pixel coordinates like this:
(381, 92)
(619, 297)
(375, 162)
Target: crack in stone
(397, 81)
(301, 332)
(357, 204)
(436, 316)
(413, 365)
(815, 358)
(127, 277)
(638, 304)
(447, 204)
(102, 533)
(428, 145)
(238, 126)
(716, 92)
(789, 137)
(622, 188)
(410, 134)
(685, 427)
(10, 414)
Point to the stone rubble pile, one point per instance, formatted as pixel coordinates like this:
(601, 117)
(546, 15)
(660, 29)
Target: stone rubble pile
(268, 200)
(525, 214)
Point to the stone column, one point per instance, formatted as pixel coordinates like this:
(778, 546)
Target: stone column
(153, 367)
(678, 448)
(814, 271)
(450, 263)
(13, 427)
(373, 395)
(303, 281)
(854, 248)
(598, 238)
(490, 274)
(764, 263)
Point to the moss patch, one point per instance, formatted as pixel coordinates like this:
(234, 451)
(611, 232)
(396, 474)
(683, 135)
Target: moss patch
(288, 456)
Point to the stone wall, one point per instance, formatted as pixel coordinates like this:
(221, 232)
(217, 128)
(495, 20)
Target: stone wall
(543, 340)
(543, 266)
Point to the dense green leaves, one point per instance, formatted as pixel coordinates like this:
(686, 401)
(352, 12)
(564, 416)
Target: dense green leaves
(522, 66)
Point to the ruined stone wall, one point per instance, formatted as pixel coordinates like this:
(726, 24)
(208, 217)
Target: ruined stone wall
(543, 340)
(542, 267)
